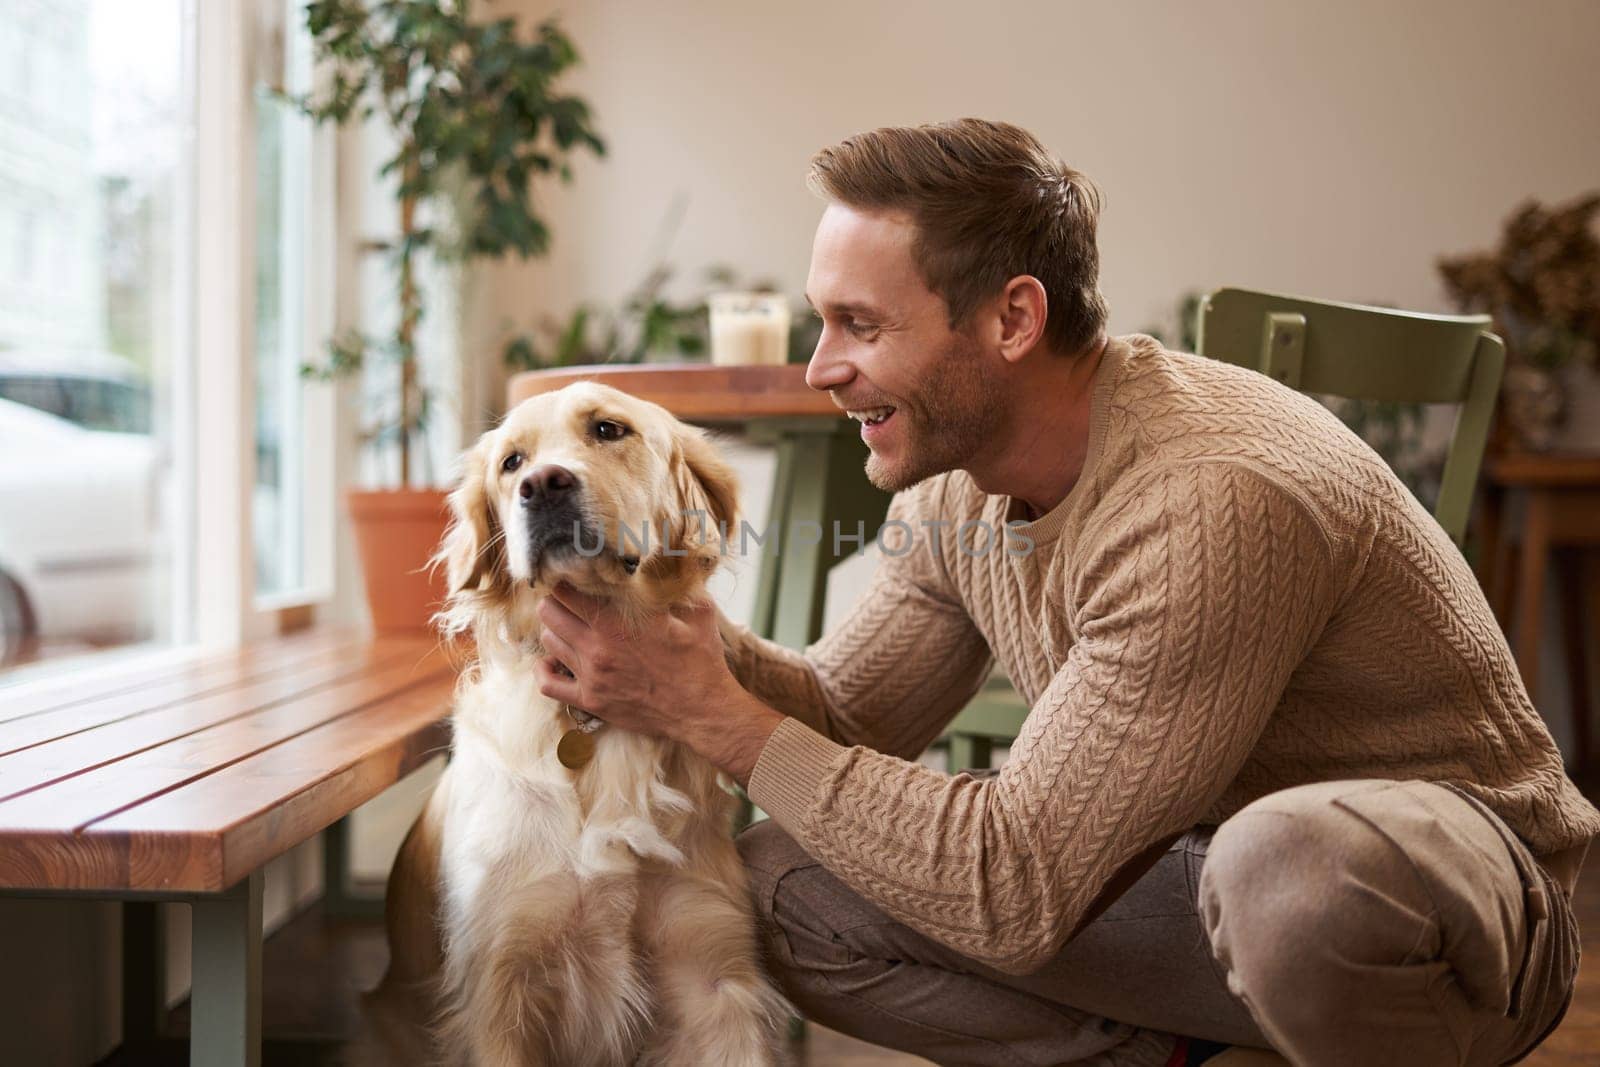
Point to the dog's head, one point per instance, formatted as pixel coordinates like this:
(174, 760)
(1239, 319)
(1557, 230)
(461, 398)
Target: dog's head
(590, 486)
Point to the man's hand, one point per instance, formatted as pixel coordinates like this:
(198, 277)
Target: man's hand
(670, 679)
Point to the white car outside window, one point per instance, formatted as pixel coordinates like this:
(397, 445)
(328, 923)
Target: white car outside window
(79, 515)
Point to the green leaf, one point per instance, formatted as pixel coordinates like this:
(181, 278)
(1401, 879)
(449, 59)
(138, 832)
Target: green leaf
(570, 347)
(521, 353)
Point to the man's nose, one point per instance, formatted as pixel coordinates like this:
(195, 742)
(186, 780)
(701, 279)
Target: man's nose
(828, 369)
(547, 482)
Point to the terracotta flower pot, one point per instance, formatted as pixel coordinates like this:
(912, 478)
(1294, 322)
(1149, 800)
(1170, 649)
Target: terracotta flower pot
(397, 532)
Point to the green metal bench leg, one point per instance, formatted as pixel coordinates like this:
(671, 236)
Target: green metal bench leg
(336, 868)
(225, 1005)
(144, 977)
(339, 900)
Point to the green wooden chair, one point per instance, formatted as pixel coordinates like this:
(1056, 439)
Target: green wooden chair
(1318, 346)
(1369, 353)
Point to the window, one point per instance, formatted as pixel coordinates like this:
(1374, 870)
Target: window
(95, 128)
(283, 337)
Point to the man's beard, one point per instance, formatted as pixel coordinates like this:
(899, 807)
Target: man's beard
(955, 413)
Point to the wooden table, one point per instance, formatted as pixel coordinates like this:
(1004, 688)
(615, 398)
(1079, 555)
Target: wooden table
(178, 779)
(1555, 501)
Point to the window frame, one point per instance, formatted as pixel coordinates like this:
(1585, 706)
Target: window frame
(312, 486)
(225, 609)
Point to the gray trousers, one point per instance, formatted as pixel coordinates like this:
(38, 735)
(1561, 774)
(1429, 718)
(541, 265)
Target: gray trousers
(1342, 923)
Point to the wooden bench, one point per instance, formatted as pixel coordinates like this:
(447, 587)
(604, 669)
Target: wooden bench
(178, 779)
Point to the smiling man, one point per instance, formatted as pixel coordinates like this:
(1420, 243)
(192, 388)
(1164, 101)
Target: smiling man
(1280, 784)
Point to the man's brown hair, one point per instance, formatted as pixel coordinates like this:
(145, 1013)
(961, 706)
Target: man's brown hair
(989, 202)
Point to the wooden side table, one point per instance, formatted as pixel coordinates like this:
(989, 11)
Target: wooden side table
(1537, 508)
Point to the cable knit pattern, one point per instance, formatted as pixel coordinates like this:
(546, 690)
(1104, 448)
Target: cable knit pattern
(1237, 596)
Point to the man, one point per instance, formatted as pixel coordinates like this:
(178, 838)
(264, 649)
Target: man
(1280, 784)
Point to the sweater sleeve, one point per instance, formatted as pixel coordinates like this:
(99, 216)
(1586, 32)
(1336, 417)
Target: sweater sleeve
(903, 662)
(1196, 595)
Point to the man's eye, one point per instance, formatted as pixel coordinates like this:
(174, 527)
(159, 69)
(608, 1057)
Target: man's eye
(862, 329)
(608, 430)
(511, 462)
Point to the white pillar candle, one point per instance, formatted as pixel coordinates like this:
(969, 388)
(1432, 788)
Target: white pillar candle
(749, 329)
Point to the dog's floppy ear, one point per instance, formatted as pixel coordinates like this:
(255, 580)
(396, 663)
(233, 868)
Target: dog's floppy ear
(471, 550)
(705, 483)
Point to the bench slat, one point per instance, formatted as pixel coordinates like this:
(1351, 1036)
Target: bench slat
(187, 774)
(207, 835)
(254, 810)
(28, 698)
(88, 734)
(74, 802)
(39, 765)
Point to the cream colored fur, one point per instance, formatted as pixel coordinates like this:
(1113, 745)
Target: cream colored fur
(539, 915)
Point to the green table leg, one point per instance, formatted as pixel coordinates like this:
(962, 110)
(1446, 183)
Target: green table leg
(783, 477)
(818, 490)
(818, 482)
(803, 564)
(969, 752)
(225, 1005)
(819, 485)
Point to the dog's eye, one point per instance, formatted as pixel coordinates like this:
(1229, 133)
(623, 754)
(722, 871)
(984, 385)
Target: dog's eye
(607, 430)
(511, 462)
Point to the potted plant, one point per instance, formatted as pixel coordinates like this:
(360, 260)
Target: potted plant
(647, 325)
(477, 117)
(1542, 285)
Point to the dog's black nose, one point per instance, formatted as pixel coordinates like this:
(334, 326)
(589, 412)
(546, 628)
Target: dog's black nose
(547, 482)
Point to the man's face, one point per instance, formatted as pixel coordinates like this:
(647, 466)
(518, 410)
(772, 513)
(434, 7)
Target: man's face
(927, 393)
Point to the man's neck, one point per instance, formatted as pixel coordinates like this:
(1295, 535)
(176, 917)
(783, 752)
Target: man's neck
(1047, 440)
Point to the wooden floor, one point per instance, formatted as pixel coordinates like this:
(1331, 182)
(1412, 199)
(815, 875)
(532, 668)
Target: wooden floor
(1578, 1039)
(314, 969)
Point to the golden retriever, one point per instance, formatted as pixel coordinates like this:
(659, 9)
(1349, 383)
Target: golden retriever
(545, 915)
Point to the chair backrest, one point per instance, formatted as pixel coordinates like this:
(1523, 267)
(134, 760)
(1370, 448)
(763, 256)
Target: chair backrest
(1370, 353)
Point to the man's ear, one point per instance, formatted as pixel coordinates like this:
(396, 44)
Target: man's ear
(705, 483)
(472, 549)
(1023, 308)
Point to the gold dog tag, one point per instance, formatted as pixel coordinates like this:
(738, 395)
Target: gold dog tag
(575, 749)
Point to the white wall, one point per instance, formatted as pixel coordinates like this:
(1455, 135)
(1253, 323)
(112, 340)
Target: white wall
(1334, 150)
(1331, 149)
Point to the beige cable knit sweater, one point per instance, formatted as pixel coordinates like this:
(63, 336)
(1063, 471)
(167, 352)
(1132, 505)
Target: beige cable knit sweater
(1236, 597)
